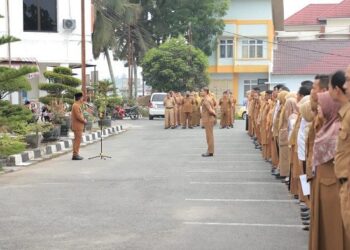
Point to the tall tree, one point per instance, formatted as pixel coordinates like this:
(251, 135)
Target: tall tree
(175, 65)
(171, 18)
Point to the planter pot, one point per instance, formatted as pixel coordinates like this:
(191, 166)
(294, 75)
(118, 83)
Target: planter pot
(65, 126)
(88, 126)
(33, 140)
(105, 123)
(3, 162)
(52, 135)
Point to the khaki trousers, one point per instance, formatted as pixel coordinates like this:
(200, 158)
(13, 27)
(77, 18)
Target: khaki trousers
(327, 231)
(169, 118)
(274, 152)
(225, 119)
(77, 140)
(345, 206)
(187, 120)
(209, 133)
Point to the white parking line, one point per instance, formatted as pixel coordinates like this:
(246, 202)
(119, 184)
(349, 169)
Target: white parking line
(234, 183)
(227, 171)
(231, 161)
(241, 224)
(240, 200)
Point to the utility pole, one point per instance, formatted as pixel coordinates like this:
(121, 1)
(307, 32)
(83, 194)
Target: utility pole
(83, 51)
(129, 63)
(8, 32)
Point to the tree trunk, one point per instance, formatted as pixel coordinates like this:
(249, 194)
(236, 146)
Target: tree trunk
(135, 77)
(106, 52)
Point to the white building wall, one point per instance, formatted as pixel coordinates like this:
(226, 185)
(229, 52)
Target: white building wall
(291, 81)
(53, 47)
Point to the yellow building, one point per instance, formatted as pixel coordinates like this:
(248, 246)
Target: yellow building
(243, 56)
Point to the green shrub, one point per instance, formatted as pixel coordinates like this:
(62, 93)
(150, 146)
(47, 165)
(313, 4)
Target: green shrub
(10, 145)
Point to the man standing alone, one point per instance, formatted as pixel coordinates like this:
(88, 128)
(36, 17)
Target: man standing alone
(78, 123)
(208, 120)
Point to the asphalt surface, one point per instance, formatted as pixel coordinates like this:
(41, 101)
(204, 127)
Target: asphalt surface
(156, 192)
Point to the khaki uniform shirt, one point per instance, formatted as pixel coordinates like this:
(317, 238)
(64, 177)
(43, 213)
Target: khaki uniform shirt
(225, 104)
(77, 117)
(187, 105)
(208, 110)
(342, 157)
(169, 102)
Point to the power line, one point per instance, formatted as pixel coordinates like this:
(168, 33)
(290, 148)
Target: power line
(288, 46)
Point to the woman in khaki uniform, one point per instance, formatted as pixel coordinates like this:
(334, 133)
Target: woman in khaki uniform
(327, 226)
(291, 111)
(283, 137)
(272, 143)
(263, 125)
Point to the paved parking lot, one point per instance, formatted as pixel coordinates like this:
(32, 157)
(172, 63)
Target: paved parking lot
(157, 192)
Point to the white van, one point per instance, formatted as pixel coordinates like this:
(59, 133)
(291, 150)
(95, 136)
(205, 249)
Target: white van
(156, 105)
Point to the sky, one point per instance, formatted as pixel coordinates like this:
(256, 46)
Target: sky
(290, 7)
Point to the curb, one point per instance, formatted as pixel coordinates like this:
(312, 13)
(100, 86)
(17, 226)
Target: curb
(32, 156)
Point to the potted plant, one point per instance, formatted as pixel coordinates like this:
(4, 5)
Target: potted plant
(61, 89)
(103, 88)
(35, 133)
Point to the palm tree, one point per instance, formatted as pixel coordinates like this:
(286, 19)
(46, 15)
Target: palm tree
(118, 27)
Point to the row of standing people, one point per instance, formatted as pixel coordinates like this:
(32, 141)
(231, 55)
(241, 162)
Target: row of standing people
(185, 111)
(308, 134)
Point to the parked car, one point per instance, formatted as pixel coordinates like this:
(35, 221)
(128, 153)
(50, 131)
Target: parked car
(156, 105)
(242, 112)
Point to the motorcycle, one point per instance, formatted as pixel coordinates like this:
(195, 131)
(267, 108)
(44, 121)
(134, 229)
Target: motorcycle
(118, 113)
(132, 112)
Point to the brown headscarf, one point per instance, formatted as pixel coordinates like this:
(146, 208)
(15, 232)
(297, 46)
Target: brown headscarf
(326, 137)
(306, 110)
(291, 105)
(282, 98)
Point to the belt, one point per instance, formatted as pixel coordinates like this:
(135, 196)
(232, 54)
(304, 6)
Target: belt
(170, 108)
(343, 180)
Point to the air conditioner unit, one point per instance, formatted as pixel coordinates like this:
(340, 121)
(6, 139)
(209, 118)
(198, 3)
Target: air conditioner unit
(69, 24)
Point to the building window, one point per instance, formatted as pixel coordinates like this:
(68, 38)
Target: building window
(252, 48)
(250, 84)
(226, 48)
(40, 15)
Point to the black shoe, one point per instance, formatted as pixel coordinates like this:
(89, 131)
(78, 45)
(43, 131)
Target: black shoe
(304, 214)
(305, 218)
(279, 177)
(77, 158)
(306, 228)
(306, 223)
(190, 127)
(304, 209)
(183, 127)
(172, 127)
(207, 155)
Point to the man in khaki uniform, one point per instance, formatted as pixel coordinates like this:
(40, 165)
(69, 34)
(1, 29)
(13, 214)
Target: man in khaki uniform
(169, 104)
(196, 115)
(208, 120)
(187, 109)
(233, 109)
(342, 158)
(225, 104)
(178, 108)
(78, 122)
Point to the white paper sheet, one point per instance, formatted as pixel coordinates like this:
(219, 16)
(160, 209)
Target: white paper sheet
(304, 184)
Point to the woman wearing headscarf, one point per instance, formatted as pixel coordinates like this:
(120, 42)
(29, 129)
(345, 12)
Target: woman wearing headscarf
(327, 227)
(283, 137)
(271, 138)
(292, 113)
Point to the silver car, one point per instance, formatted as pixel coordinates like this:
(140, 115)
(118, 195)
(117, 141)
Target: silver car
(156, 105)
